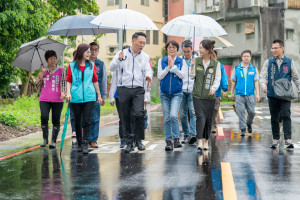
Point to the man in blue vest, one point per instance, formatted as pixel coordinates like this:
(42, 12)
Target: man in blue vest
(245, 81)
(283, 67)
(101, 73)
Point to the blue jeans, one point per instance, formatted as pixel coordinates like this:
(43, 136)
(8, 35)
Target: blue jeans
(94, 132)
(170, 105)
(187, 104)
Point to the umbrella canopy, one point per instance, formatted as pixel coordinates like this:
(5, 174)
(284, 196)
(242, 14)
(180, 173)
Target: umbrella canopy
(30, 56)
(77, 25)
(221, 43)
(193, 26)
(124, 19)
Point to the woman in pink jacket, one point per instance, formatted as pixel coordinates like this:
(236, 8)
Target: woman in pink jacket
(52, 78)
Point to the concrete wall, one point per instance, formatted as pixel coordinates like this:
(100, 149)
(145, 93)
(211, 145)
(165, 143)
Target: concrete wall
(189, 7)
(271, 20)
(292, 47)
(153, 11)
(176, 8)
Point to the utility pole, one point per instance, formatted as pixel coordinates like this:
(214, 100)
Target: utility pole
(121, 30)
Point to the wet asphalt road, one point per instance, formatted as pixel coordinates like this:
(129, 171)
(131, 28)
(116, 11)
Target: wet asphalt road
(256, 171)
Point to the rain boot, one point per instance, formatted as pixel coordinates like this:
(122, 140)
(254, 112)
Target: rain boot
(45, 135)
(54, 137)
(85, 147)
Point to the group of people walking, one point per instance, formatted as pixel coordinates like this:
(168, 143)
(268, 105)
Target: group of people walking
(190, 85)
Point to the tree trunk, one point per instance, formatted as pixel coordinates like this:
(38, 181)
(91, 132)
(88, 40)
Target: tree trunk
(25, 88)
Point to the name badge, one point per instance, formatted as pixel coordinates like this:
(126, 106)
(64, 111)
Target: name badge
(251, 73)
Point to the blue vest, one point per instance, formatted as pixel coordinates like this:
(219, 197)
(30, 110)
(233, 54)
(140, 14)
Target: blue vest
(245, 82)
(223, 83)
(171, 84)
(284, 72)
(82, 91)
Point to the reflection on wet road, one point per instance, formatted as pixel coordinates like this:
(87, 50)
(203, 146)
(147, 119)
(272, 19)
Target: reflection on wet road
(234, 168)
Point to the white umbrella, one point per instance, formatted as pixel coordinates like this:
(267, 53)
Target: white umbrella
(124, 19)
(77, 25)
(193, 26)
(30, 56)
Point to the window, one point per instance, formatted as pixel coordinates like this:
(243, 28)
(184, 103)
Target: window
(238, 27)
(124, 38)
(148, 37)
(155, 37)
(112, 2)
(250, 36)
(145, 2)
(289, 34)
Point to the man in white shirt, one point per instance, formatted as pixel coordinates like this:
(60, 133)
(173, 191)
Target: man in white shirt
(134, 68)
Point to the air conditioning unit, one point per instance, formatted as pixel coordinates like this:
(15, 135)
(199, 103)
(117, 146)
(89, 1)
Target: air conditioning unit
(111, 50)
(255, 3)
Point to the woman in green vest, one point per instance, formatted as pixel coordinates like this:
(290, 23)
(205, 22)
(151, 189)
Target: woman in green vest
(207, 75)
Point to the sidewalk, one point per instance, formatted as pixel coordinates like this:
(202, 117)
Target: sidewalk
(34, 139)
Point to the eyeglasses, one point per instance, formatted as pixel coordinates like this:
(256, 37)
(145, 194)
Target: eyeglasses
(142, 43)
(171, 47)
(186, 51)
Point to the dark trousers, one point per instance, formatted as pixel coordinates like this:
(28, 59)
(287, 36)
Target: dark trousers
(56, 108)
(280, 108)
(132, 99)
(82, 111)
(204, 110)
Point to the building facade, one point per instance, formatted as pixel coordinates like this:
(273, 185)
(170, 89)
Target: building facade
(109, 42)
(253, 25)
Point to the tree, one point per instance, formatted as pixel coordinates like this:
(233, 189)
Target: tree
(22, 21)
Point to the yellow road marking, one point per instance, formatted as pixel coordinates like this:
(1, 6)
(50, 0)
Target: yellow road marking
(220, 113)
(220, 131)
(229, 192)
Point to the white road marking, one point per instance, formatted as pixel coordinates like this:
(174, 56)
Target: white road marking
(152, 147)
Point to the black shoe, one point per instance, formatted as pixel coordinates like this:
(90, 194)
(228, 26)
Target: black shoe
(45, 142)
(85, 147)
(140, 145)
(129, 147)
(169, 146)
(243, 132)
(288, 144)
(193, 139)
(249, 127)
(274, 144)
(177, 143)
(52, 145)
(185, 140)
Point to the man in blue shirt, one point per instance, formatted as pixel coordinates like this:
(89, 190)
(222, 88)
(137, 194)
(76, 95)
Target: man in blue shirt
(101, 73)
(245, 81)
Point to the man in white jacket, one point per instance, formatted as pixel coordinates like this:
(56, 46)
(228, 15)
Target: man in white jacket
(188, 128)
(134, 67)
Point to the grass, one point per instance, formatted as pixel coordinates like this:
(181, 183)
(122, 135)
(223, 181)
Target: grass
(26, 111)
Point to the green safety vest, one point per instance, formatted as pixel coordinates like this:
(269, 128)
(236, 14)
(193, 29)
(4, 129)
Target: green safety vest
(204, 80)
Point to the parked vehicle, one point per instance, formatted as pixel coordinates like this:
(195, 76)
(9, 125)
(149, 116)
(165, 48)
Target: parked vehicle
(12, 91)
